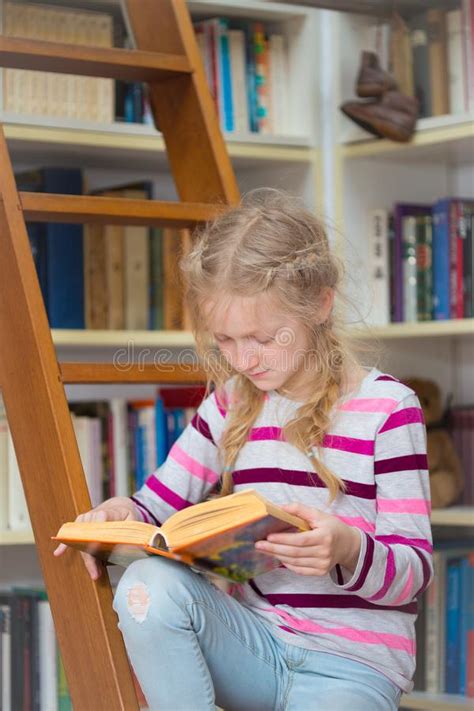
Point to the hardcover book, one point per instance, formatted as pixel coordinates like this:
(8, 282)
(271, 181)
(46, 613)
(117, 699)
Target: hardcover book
(216, 536)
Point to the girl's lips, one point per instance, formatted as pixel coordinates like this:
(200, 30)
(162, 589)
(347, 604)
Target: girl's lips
(256, 375)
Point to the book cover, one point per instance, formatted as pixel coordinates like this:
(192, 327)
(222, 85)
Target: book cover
(401, 211)
(216, 536)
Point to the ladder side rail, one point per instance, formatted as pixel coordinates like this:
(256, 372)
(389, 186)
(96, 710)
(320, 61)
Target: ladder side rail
(183, 107)
(53, 479)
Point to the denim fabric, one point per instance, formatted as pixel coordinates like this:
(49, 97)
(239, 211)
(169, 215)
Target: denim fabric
(193, 646)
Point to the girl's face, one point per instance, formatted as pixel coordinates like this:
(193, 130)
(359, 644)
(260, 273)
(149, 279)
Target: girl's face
(260, 342)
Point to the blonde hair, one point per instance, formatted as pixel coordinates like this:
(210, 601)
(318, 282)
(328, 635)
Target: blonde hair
(270, 241)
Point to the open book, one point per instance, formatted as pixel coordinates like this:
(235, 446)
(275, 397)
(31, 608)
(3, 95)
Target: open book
(216, 536)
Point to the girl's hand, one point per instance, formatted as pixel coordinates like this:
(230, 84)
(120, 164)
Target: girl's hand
(119, 508)
(314, 552)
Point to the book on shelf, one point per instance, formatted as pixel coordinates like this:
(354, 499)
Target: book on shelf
(48, 94)
(32, 676)
(57, 248)
(215, 536)
(430, 54)
(421, 261)
(246, 66)
(447, 642)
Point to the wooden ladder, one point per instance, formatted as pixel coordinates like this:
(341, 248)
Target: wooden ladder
(31, 379)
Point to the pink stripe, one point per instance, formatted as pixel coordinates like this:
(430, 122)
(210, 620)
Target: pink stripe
(192, 465)
(166, 494)
(406, 593)
(369, 404)
(349, 444)
(221, 403)
(394, 641)
(411, 506)
(358, 522)
(390, 570)
(260, 433)
(345, 444)
(408, 416)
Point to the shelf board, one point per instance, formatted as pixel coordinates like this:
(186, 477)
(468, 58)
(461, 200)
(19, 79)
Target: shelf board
(438, 138)
(424, 329)
(453, 516)
(14, 538)
(434, 702)
(79, 338)
(138, 145)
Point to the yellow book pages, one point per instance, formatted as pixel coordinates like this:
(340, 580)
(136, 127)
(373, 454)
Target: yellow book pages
(217, 536)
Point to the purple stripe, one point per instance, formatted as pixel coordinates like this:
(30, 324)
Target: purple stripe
(202, 427)
(402, 540)
(408, 416)
(349, 444)
(369, 556)
(146, 510)
(166, 494)
(400, 464)
(340, 577)
(254, 587)
(298, 478)
(287, 629)
(387, 377)
(426, 572)
(333, 601)
(390, 570)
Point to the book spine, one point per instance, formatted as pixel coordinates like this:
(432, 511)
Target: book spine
(438, 61)
(424, 251)
(434, 627)
(441, 257)
(456, 67)
(468, 260)
(421, 68)
(225, 76)
(409, 269)
(454, 266)
(452, 626)
(469, 628)
(239, 89)
(379, 266)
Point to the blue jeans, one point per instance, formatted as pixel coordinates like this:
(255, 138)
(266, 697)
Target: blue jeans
(193, 646)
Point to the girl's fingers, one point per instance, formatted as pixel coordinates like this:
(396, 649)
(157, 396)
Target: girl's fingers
(60, 549)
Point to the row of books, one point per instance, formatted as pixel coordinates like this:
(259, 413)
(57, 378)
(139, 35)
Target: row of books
(445, 626)
(246, 69)
(431, 55)
(421, 261)
(34, 93)
(31, 671)
(120, 443)
(32, 676)
(106, 276)
(245, 65)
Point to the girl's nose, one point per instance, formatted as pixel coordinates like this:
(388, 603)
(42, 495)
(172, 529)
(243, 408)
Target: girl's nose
(247, 357)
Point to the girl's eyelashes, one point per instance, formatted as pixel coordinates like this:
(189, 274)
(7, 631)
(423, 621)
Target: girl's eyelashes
(261, 342)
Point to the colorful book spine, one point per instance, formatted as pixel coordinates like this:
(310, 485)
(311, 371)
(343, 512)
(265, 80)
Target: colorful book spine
(441, 260)
(453, 623)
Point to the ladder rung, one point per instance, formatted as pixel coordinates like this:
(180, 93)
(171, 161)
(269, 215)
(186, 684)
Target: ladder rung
(129, 65)
(130, 373)
(46, 207)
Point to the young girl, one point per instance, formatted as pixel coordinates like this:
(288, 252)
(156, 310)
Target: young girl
(294, 416)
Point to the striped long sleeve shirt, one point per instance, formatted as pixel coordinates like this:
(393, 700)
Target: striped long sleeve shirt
(377, 445)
